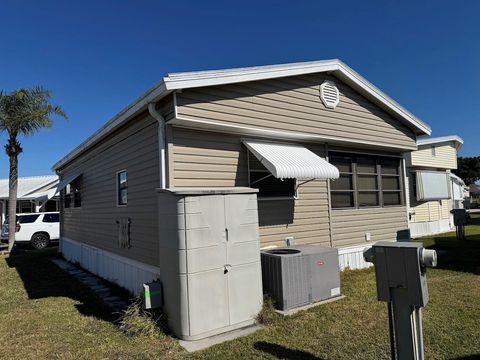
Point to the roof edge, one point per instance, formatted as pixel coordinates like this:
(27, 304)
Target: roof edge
(441, 139)
(177, 81)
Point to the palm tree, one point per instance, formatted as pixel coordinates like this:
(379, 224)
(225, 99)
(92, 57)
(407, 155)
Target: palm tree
(22, 112)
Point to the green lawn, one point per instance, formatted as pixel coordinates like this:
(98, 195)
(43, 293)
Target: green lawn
(44, 313)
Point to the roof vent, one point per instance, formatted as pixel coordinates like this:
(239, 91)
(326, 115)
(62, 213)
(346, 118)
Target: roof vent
(329, 94)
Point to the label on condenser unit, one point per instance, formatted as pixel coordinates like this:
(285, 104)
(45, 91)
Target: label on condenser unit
(335, 291)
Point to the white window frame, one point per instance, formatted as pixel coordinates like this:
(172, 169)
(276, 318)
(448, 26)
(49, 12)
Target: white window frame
(117, 183)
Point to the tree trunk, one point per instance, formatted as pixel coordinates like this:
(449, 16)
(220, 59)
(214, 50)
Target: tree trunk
(12, 200)
(13, 148)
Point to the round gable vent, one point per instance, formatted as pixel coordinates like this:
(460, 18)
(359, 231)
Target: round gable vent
(329, 94)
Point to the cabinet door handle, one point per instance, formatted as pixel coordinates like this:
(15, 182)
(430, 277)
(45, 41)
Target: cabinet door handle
(226, 234)
(227, 268)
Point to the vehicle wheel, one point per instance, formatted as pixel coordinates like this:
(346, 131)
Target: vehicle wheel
(39, 241)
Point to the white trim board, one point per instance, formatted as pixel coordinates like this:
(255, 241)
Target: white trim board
(179, 81)
(209, 125)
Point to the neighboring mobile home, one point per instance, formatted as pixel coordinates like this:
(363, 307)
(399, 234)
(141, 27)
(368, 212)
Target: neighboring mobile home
(260, 127)
(434, 189)
(32, 195)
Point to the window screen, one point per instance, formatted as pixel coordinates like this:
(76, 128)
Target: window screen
(365, 181)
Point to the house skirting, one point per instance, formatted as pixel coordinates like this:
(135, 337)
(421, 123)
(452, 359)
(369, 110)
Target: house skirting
(352, 258)
(426, 228)
(131, 274)
(127, 273)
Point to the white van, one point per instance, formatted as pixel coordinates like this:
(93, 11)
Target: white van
(38, 229)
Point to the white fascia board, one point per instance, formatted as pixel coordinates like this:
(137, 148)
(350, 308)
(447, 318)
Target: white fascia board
(222, 77)
(442, 139)
(379, 97)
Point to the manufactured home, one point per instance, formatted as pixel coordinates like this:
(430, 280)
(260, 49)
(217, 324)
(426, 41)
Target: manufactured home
(434, 189)
(32, 195)
(260, 157)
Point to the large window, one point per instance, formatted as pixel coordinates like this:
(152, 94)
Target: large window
(366, 181)
(269, 187)
(122, 188)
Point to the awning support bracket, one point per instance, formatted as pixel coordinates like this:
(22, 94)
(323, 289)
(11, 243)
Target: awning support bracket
(303, 183)
(262, 178)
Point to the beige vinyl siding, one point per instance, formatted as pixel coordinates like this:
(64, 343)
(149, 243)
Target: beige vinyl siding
(431, 211)
(134, 147)
(207, 159)
(293, 104)
(350, 226)
(445, 157)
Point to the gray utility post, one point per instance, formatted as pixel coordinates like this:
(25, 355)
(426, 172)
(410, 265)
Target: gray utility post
(400, 272)
(460, 220)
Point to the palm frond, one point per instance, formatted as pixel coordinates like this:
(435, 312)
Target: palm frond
(25, 111)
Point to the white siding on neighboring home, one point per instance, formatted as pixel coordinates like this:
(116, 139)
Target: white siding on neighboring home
(444, 156)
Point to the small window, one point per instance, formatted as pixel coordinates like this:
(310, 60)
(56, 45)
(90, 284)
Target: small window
(27, 219)
(268, 186)
(51, 218)
(66, 197)
(75, 188)
(434, 151)
(72, 197)
(122, 188)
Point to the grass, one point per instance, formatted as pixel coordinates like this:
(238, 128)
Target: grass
(44, 313)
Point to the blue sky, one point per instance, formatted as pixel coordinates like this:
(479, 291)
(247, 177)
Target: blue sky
(97, 56)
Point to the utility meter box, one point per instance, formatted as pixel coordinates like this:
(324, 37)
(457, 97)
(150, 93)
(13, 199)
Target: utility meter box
(401, 265)
(459, 217)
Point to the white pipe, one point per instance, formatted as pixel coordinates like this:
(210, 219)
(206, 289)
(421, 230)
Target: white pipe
(161, 142)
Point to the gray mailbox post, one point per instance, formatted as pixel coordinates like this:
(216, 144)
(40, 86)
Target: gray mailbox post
(400, 273)
(460, 220)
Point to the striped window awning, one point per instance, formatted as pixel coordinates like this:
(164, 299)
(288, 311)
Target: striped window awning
(288, 161)
(62, 184)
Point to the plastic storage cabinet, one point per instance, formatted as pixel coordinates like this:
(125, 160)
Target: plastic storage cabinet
(209, 260)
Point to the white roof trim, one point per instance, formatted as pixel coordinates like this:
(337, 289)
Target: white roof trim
(436, 140)
(288, 161)
(177, 81)
(457, 179)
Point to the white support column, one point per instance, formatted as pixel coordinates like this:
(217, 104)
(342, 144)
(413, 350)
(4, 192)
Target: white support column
(4, 210)
(38, 205)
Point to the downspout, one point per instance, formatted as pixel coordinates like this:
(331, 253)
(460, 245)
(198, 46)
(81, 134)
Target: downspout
(161, 142)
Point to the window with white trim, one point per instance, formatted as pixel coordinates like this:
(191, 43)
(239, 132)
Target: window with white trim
(366, 181)
(122, 188)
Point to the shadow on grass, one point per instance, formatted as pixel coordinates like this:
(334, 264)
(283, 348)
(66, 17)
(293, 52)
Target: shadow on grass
(43, 279)
(458, 255)
(281, 352)
(469, 357)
